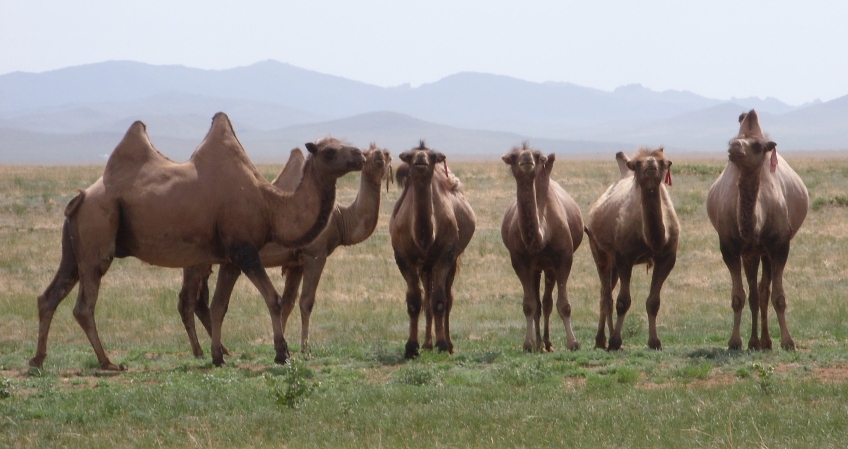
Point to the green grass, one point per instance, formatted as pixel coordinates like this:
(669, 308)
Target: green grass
(355, 390)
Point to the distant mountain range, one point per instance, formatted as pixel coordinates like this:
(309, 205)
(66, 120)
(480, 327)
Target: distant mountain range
(78, 114)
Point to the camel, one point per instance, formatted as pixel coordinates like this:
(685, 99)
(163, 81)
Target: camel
(632, 223)
(214, 209)
(757, 205)
(541, 229)
(430, 227)
(348, 225)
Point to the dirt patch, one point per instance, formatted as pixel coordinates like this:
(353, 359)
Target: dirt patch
(832, 374)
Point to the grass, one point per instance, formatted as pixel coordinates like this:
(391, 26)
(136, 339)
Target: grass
(355, 389)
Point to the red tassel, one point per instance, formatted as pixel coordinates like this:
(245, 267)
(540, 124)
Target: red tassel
(668, 177)
(773, 162)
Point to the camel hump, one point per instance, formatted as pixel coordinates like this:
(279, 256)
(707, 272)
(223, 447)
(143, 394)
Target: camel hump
(220, 144)
(133, 151)
(749, 125)
(74, 204)
(291, 175)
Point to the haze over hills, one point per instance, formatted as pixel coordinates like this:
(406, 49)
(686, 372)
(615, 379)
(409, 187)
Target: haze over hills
(78, 114)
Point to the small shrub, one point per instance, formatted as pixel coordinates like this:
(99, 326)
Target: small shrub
(764, 375)
(299, 384)
(416, 375)
(6, 388)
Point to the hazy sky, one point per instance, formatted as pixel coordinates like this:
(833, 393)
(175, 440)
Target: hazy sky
(794, 51)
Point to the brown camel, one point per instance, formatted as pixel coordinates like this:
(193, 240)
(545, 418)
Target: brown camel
(348, 225)
(632, 223)
(757, 205)
(541, 229)
(214, 209)
(430, 227)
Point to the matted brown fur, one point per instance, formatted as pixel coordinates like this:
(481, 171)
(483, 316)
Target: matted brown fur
(214, 208)
(541, 229)
(756, 206)
(430, 227)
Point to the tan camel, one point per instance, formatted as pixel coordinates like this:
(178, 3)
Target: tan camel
(430, 227)
(194, 295)
(632, 223)
(757, 205)
(348, 225)
(541, 229)
(214, 209)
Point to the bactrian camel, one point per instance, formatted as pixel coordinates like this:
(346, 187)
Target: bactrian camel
(348, 225)
(430, 227)
(757, 205)
(214, 209)
(541, 229)
(632, 223)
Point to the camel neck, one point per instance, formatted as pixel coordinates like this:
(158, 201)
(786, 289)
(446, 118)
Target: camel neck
(422, 202)
(299, 217)
(527, 202)
(653, 224)
(359, 219)
(749, 189)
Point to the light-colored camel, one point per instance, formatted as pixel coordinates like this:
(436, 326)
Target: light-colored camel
(757, 205)
(632, 223)
(348, 225)
(214, 209)
(541, 229)
(430, 227)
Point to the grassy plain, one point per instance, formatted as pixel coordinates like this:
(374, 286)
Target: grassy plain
(357, 391)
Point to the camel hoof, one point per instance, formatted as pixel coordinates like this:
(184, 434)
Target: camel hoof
(754, 345)
(788, 345)
(614, 343)
(573, 345)
(36, 362)
(444, 347)
(600, 341)
(734, 344)
(411, 350)
(112, 367)
(427, 346)
(765, 344)
(655, 344)
(528, 346)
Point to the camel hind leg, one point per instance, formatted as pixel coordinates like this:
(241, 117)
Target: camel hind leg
(778, 258)
(311, 277)
(608, 276)
(547, 308)
(622, 302)
(764, 290)
(563, 305)
(438, 296)
(64, 280)
(449, 304)
(194, 279)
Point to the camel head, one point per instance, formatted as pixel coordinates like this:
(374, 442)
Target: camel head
(527, 163)
(650, 167)
(378, 165)
(334, 158)
(422, 162)
(749, 149)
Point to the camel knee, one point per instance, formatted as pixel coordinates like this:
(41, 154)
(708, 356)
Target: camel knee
(564, 309)
(622, 305)
(738, 303)
(653, 307)
(779, 303)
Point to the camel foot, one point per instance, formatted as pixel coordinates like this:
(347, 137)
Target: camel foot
(765, 343)
(735, 344)
(549, 347)
(529, 346)
(36, 362)
(411, 350)
(109, 366)
(443, 346)
(654, 343)
(226, 351)
(282, 350)
(428, 346)
(218, 357)
(788, 344)
(614, 343)
(600, 341)
(573, 345)
(198, 353)
(754, 344)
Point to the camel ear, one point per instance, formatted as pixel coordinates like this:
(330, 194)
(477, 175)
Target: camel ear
(406, 156)
(508, 159)
(311, 147)
(440, 157)
(669, 163)
(631, 165)
(742, 116)
(551, 157)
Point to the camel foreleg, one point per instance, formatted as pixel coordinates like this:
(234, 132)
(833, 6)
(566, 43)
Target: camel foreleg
(751, 265)
(547, 308)
(311, 277)
(413, 304)
(779, 257)
(563, 305)
(622, 302)
(733, 261)
(228, 274)
(662, 268)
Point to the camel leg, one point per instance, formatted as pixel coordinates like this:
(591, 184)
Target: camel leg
(622, 303)
(537, 311)
(64, 280)
(764, 291)
(228, 274)
(779, 257)
(530, 299)
(562, 305)
(662, 268)
(293, 277)
(751, 265)
(413, 304)
(427, 282)
(311, 277)
(438, 296)
(84, 312)
(449, 304)
(607, 276)
(189, 298)
(547, 308)
(201, 309)
(737, 296)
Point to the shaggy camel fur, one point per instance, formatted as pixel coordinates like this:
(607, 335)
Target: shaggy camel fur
(757, 205)
(541, 229)
(633, 222)
(348, 225)
(430, 227)
(215, 208)
(194, 295)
